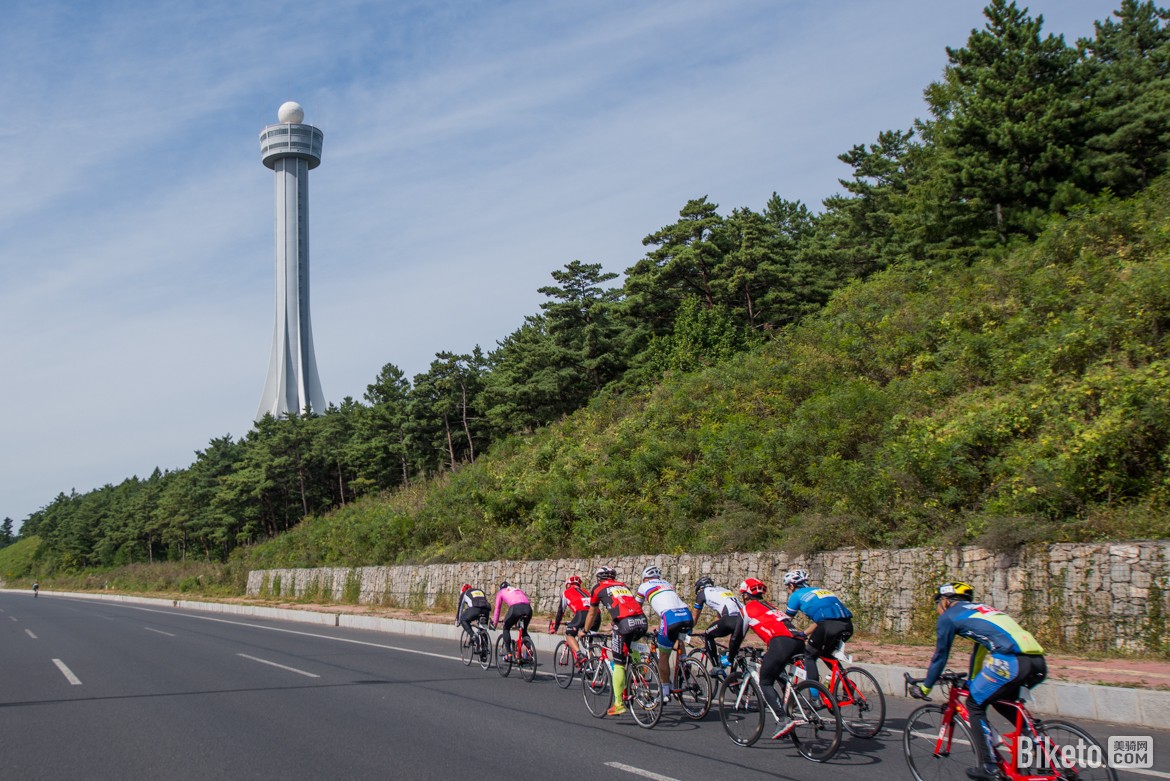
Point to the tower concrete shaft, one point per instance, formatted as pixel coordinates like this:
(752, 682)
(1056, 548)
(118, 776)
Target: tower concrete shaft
(291, 150)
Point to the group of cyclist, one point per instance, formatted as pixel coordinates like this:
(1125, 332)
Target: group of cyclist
(1005, 658)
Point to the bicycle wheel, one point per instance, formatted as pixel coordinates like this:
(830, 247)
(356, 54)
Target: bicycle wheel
(934, 753)
(692, 686)
(564, 665)
(817, 734)
(527, 658)
(645, 693)
(484, 648)
(741, 709)
(1072, 765)
(597, 686)
(503, 666)
(466, 648)
(862, 704)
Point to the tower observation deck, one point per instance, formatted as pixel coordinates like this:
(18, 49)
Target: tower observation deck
(292, 149)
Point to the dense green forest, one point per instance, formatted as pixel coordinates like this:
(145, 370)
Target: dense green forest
(969, 343)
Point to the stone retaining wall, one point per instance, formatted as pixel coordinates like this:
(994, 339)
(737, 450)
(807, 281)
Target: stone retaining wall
(1082, 596)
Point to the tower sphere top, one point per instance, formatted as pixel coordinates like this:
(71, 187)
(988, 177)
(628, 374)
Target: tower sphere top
(290, 113)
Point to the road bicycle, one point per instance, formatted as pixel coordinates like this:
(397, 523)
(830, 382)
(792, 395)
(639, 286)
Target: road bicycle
(565, 666)
(643, 692)
(810, 704)
(938, 743)
(523, 653)
(476, 646)
(858, 694)
(690, 683)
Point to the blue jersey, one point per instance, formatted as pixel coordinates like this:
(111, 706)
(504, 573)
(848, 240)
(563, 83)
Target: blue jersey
(819, 604)
(995, 632)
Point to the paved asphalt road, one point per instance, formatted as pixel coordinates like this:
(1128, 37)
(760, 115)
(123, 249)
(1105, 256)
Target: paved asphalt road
(95, 690)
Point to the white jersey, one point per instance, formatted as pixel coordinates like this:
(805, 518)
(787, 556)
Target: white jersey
(722, 600)
(661, 595)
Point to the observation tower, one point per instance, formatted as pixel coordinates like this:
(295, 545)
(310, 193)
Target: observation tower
(292, 149)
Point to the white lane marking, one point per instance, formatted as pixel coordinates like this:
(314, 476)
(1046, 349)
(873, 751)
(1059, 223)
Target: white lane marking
(639, 771)
(1144, 772)
(302, 634)
(13, 618)
(29, 632)
(281, 666)
(934, 736)
(158, 631)
(69, 676)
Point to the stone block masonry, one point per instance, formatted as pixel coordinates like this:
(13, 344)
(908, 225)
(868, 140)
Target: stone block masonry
(1077, 596)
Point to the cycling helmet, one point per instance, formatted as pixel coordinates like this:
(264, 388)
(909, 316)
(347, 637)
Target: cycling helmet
(466, 587)
(651, 572)
(795, 577)
(703, 583)
(755, 588)
(574, 580)
(504, 584)
(955, 590)
(604, 573)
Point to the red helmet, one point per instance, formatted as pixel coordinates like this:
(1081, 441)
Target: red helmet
(466, 587)
(755, 588)
(574, 580)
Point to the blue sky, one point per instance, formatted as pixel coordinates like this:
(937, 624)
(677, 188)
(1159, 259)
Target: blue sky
(471, 148)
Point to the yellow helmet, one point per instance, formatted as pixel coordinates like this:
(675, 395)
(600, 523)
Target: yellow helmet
(955, 590)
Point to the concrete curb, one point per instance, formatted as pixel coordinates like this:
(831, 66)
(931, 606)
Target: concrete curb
(1116, 704)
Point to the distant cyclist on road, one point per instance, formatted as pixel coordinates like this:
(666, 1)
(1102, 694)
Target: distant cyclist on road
(36, 588)
(576, 600)
(775, 628)
(729, 623)
(473, 603)
(1005, 659)
(629, 625)
(676, 619)
(832, 621)
(519, 611)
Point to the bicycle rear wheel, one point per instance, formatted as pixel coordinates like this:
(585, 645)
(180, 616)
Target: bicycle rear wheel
(862, 704)
(597, 686)
(466, 648)
(527, 660)
(1064, 733)
(503, 666)
(818, 730)
(692, 686)
(741, 709)
(934, 753)
(645, 693)
(564, 665)
(485, 648)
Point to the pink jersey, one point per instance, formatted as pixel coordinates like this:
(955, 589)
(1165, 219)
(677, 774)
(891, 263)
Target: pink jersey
(509, 596)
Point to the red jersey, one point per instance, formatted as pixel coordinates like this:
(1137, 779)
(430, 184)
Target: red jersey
(617, 598)
(575, 599)
(767, 621)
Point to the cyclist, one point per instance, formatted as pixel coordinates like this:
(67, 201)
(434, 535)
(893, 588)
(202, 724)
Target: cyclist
(784, 642)
(729, 623)
(473, 603)
(832, 623)
(575, 599)
(1006, 657)
(675, 616)
(519, 611)
(36, 588)
(629, 625)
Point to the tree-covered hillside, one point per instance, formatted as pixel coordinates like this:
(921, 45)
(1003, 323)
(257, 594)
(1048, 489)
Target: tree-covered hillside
(1023, 397)
(965, 343)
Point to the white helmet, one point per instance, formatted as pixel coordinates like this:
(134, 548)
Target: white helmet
(795, 577)
(651, 572)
